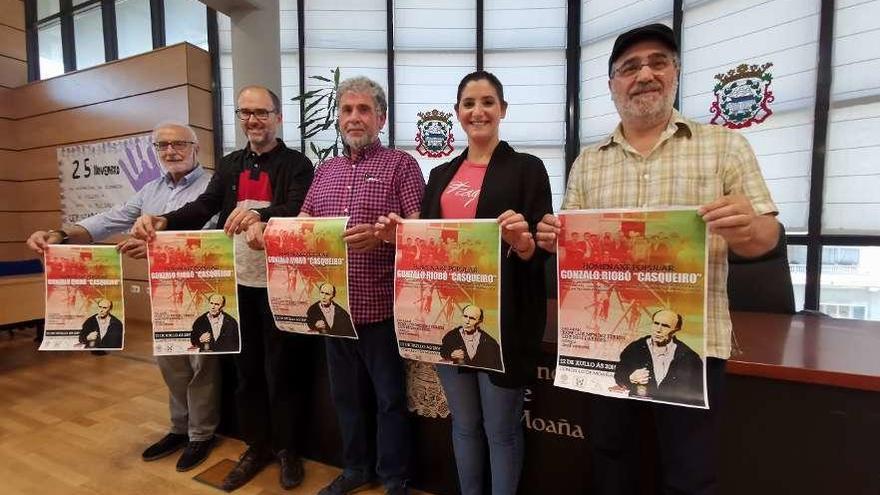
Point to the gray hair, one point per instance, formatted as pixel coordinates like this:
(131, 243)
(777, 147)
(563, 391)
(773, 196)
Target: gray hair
(363, 85)
(171, 123)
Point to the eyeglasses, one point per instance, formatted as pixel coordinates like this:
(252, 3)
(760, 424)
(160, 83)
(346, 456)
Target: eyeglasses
(177, 145)
(658, 65)
(260, 113)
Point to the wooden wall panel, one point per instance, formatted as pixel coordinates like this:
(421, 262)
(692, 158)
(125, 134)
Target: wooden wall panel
(24, 298)
(200, 108)
(151, 71)
(12, 13)
(12, 72)
(134, 269)
(12, 43)
(198, 64)
(8, 134)
(37, 195)
(6, 102)
(15, 251)
(104, 120)
(137, 300)
(23, 224)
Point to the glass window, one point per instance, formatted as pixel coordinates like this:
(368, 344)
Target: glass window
(45, 8)
(88, 33)
(850, 282)
(186, 20)
(434, 47)
(133, 27)
(525, 48)
(797, 263)
(51, 57)
(772, 32)
(228, 111)
(852, 177)
(358, 49)
(290, 73)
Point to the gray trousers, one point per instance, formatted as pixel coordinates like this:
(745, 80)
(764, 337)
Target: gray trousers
(194, 394)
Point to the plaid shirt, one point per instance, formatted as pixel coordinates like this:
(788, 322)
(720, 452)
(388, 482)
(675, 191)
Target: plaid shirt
(692, 164)
(382, 180)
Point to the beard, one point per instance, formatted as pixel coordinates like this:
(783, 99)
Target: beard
(646, 106)
(359, 142)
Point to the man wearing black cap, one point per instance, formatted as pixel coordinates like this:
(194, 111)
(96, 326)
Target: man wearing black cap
(657, 158)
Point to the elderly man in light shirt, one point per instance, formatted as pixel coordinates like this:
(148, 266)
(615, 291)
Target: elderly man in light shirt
(193, 381)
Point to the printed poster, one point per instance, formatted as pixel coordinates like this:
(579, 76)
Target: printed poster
(193, 293)
(447, 292)
(632, 304)
(307, 272)
(84, 306)
(97, 176)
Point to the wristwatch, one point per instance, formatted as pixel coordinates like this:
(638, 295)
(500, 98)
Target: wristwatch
(64, 236)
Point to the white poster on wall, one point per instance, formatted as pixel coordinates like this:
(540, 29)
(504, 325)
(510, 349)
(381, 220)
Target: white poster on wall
(97, 176)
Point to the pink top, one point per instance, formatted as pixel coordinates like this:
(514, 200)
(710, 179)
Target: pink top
(459, 199)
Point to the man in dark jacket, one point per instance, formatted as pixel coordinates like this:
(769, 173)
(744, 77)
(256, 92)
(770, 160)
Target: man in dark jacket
(215, 330)
(660, 366)
(327, 317)
(469, 345)
(102, 330)
(264, 179)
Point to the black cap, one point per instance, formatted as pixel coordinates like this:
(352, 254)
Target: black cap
(659, 32)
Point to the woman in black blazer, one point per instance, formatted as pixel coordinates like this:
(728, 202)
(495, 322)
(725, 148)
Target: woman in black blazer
(514, 188)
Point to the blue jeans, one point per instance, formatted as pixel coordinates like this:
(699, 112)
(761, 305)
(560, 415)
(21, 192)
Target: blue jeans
(371, 363)
(480, 407)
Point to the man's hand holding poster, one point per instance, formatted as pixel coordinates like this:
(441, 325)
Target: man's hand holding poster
(193, 293)
(446, 292)
(84, 307)
(307, 272)
(632, 303)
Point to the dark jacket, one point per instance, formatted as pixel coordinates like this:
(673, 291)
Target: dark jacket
(226, 341)
(683, 382)
(488, 352)
(290, 175)
(341, 320)
(518, 182)
(112, 339)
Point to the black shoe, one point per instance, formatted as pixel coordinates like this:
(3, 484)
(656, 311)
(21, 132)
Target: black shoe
(396, 489)
(99, 353)
(249, 464)
(292, 471)
(194, 454)
(169, 444)
(343, 485)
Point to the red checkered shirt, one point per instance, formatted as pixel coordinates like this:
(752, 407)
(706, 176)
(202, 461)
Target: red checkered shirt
(380, 181)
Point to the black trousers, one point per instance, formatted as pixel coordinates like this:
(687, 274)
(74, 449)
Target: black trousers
(687, 439)
(268, 397)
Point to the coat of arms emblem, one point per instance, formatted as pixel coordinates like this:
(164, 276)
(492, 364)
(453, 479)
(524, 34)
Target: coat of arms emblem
(434, 137)
(742, 96)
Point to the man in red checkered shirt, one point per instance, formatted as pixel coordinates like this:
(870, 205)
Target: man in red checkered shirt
(369, 180)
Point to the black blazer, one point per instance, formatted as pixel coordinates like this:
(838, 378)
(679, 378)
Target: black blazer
(227, 340)
(488, 352)
(341, 320)
(518, 182)
(112, 339)
(683, 382)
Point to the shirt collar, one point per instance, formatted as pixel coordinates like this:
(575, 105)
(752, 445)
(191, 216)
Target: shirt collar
(193, 174)
(678, 125)
(366, 152)
(265, 156)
